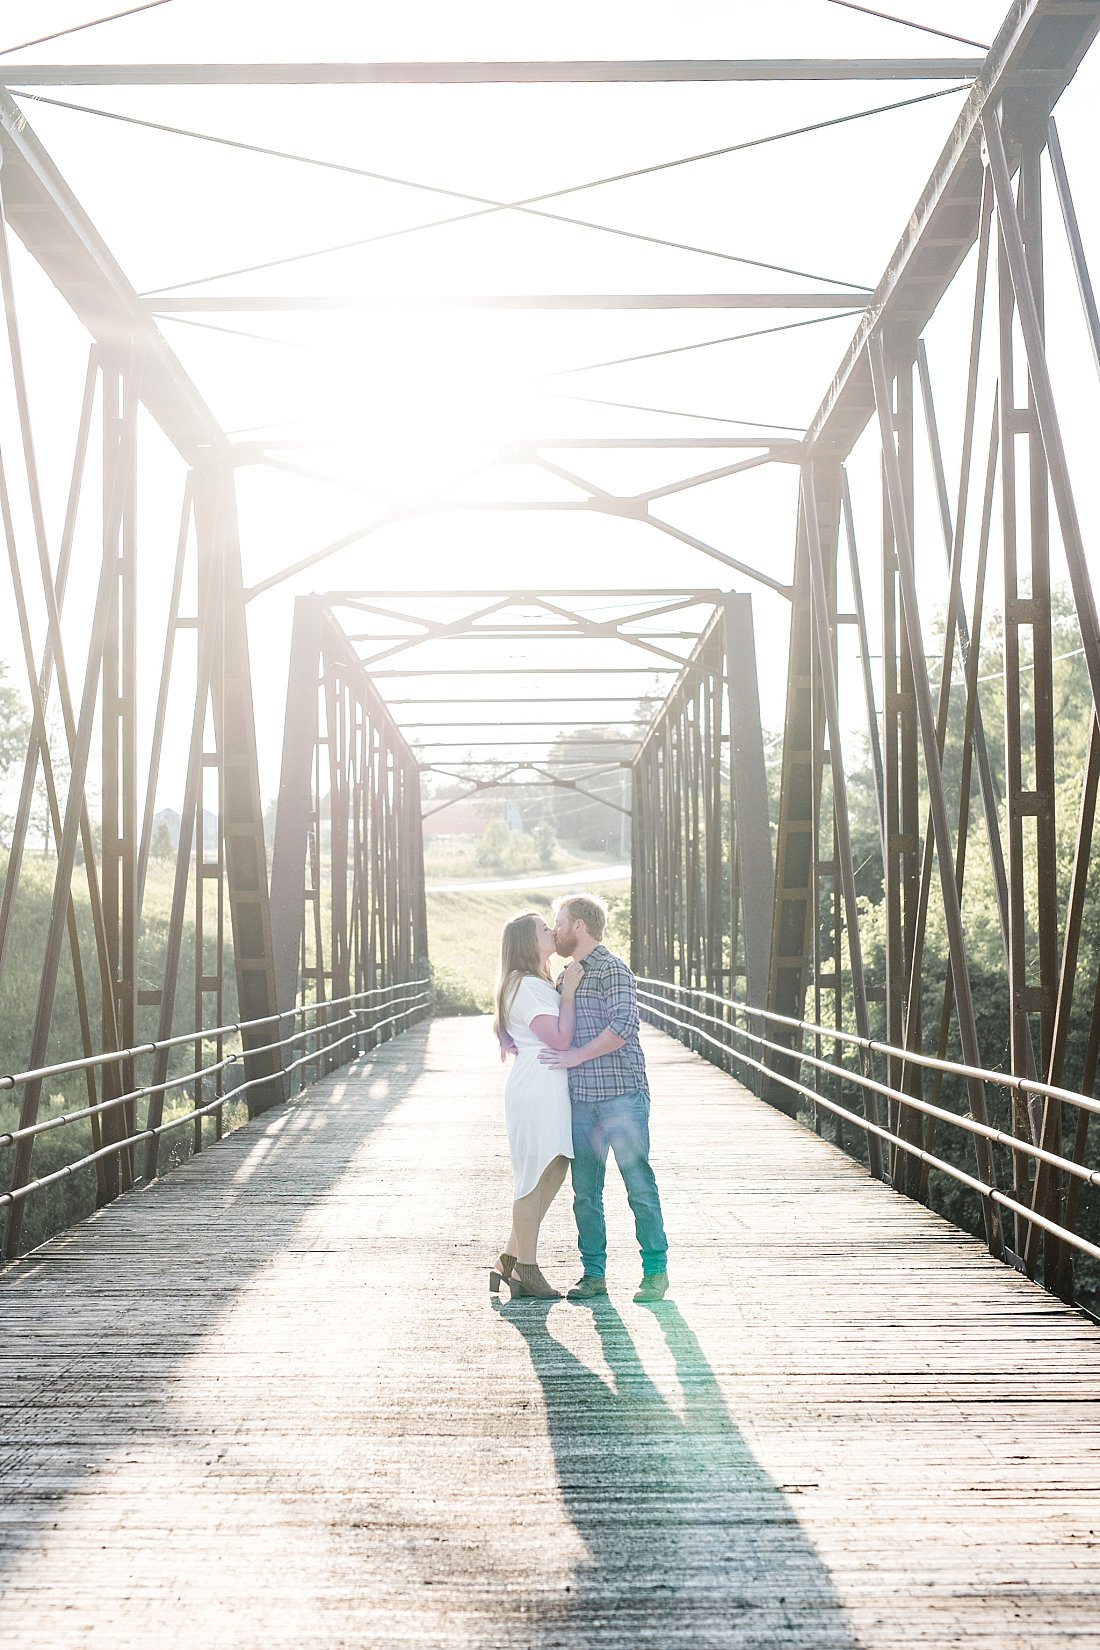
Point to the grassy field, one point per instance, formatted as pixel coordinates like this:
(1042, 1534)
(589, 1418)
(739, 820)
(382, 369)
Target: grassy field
(449, 858)
(464, 938)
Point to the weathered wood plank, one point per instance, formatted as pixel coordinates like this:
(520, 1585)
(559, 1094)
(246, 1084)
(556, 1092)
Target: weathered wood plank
(267, 1401)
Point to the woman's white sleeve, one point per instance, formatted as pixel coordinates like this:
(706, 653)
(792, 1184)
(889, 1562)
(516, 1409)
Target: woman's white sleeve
(531, 1001)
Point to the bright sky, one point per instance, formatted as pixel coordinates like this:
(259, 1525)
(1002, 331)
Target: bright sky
(398, 402)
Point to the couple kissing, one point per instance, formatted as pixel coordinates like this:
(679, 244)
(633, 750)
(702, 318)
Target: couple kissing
(576, 1089)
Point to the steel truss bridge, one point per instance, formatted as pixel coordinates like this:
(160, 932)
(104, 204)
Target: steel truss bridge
(940, 509)
(866, 1426)
(747, 929)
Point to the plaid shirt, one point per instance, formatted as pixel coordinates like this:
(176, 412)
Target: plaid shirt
(607, 1000)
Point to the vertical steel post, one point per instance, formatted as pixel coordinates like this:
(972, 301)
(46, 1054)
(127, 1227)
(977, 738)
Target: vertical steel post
(820, 606)
(749, 795)
(942, 832)
(792, 910)
(235, 731)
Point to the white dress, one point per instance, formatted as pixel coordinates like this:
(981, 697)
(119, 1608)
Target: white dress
(536, 1097)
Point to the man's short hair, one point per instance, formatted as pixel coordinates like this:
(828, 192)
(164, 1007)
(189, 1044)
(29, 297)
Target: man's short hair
(587, 909)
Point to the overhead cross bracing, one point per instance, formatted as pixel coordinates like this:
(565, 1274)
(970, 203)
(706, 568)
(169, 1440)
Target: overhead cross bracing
(560, 633)
(494, 363)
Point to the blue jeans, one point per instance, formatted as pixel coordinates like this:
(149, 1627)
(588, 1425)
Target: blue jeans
(621, 1124)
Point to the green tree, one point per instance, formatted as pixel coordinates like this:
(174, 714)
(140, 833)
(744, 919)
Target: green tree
(15, 724)
(161, 846)
(545, 844)
(493, 847)
(596, 758)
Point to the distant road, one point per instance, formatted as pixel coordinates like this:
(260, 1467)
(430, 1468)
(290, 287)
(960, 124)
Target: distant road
(581, 878)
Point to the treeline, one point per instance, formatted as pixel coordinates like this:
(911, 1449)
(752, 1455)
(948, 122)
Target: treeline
(984, 939)
(74, 1198)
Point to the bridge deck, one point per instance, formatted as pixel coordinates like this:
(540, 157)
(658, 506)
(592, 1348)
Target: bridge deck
(267, 1402)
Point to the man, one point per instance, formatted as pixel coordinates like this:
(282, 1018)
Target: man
(610, 1100)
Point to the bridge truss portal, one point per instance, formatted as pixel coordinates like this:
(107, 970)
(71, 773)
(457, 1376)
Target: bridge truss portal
(936, 494)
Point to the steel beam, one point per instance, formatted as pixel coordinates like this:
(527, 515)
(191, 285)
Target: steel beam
(58, 233)
(749, 794)
(1039, 44)
(803, 737)
(523, 448)
(925, 715)
(489, 74)
(374, 899)
(235, 731)
(260, 303)
(292, 810)
(525, 595)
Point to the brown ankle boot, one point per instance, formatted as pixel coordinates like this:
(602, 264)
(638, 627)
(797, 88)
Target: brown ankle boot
(526, 1279)
(501, 1272)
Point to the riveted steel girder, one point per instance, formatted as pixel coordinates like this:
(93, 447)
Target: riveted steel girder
(58, 233)
(1039, 46)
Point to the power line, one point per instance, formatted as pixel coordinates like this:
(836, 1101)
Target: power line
(997, 675)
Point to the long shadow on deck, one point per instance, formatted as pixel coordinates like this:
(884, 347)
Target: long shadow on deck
(690, 1542)
(95, 1326)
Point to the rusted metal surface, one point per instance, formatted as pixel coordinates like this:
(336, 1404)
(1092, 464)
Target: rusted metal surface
(702, 855)
(351, 917)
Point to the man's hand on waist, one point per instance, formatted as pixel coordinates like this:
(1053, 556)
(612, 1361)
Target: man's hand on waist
(608, 1042)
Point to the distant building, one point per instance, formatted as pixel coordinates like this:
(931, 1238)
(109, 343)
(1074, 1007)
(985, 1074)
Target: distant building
(466, 817)
(170, 819)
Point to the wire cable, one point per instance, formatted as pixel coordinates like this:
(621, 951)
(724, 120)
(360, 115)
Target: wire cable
(77, 28)
(907, 23)
(239, 332)
(674, 412)
(485, 208)
(706, 343)
(618, 361)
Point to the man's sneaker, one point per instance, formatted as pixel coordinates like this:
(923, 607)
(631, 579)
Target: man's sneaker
(587, 1288)
(653, 1287)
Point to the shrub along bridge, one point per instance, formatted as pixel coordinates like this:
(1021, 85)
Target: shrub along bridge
(871, 987)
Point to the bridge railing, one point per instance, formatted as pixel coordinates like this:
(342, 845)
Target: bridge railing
(341, 1030)
(738, 1033)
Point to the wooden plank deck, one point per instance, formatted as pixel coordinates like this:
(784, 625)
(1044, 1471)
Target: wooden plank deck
(266, 1403)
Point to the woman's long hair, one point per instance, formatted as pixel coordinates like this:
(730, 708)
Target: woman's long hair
(519, 956)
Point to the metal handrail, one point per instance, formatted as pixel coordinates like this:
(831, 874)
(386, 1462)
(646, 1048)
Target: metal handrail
(951, 1068)
(970, 1125)
(17, 1079)
(45, 1125)
(416, 1000)
(980, 1186)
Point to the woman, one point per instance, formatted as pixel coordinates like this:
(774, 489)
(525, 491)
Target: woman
(531, 1016)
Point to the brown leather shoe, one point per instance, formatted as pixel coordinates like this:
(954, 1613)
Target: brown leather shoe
(587, 1288)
